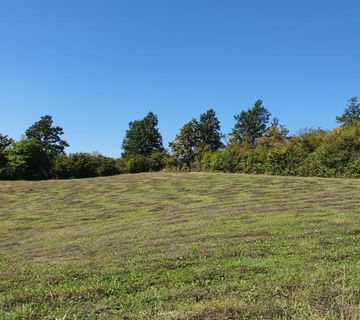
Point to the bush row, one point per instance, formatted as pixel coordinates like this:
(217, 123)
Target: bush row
(312, 153)
(320, 153)
(37, 165)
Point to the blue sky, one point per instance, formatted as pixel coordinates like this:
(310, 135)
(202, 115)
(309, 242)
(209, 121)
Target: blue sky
(96, 65)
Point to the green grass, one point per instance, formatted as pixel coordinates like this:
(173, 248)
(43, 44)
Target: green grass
(180, 246)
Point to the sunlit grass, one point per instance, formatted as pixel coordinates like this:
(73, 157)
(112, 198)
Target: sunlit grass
(180, 246)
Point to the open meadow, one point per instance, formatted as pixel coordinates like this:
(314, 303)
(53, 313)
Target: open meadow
(180, 246)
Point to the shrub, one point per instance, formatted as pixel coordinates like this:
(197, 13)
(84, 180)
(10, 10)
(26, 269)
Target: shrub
(27, 160)
(133, 164)
(339, 153)
(158, 160)
(83, 165)
(137, 163)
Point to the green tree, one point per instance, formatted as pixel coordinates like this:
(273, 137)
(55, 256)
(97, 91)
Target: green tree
(186, 142)
(28, 160)
(209, 131)
(351, 113)
(274, 135)
(250, 125)
(48, 136)
(143, 137)
(5, 143)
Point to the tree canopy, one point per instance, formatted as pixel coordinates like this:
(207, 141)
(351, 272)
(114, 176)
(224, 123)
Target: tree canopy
(351, 113)
(186, 142)
(274, 135)
(143, 137)
(250, 125)
(5, 142)
(48, 136)
(209, 131)
(254, 147)
(28, 160)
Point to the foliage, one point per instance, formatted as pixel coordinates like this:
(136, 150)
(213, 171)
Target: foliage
(250, 125)
(195, 139)
(351, 113)
(339, 153)
(274, 136)
(312, 153)
(28, 160)
(143, 137)
(48, 136)
(5, 143)
(311, 139)
(138, 163)
(254, 147)
(83, 165)
(209, 133)
(185, 145)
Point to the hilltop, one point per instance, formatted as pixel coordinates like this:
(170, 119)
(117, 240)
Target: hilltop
(180, 246)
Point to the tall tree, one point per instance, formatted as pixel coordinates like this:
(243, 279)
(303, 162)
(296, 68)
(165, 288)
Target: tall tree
(185, 145)
(48, 136)
(209, 131)
(351, 113)
(5, 142)
(250, 125)
(143, 137)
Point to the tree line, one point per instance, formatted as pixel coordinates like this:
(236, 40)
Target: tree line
(257, 143)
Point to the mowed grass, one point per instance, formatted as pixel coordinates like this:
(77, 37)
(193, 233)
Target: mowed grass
(180, 246)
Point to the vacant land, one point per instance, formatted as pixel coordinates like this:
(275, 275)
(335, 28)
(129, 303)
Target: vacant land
(180, 246)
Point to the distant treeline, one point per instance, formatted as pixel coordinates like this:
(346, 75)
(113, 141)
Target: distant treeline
(256, 144)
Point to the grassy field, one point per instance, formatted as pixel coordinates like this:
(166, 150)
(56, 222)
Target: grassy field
(180, 246)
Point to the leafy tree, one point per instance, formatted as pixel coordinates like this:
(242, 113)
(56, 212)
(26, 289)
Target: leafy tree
(250, 125)
(48, 136)
(5, 142)
(143, 137)
(209, 131)
(274, 135)
(351, 113)
(28, 160)
(185, 145)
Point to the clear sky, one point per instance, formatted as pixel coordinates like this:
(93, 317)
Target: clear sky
(96, 65)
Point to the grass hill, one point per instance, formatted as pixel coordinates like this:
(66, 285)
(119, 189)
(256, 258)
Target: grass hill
(180, 246)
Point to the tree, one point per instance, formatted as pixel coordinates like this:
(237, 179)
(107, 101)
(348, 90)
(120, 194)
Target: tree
(209, 131)
(48, 136)
(28, 160)
(273, 136)
(185, 145)
(143, 137)
(351, 113)
(5, 143)
(250, 125)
